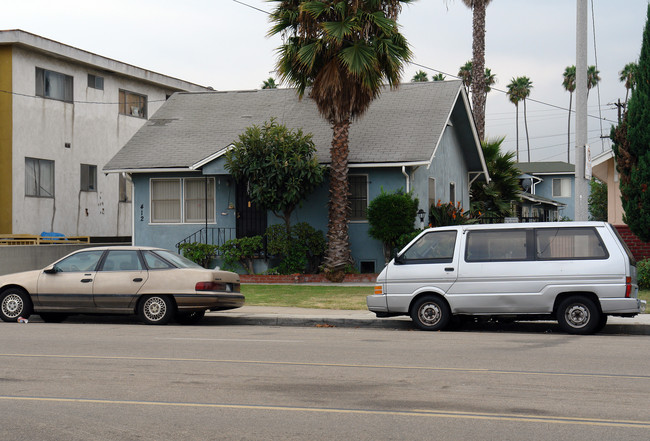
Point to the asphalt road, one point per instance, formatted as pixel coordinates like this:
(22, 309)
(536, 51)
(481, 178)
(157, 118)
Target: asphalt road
(114, 379)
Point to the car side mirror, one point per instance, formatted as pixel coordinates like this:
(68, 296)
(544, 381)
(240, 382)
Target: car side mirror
(398, 258)
(51, 270)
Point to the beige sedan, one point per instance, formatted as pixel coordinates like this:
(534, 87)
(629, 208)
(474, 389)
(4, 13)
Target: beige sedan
(157, 285)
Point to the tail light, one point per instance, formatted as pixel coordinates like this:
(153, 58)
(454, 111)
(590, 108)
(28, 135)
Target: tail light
(628, 287)
(210, 286)
(378, 290)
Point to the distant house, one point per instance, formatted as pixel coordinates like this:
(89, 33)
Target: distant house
(604, 168)
(64, 113)
(420, 138)
(548, 190)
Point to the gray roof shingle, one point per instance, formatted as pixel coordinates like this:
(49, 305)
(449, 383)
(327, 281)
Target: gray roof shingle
(402, 125)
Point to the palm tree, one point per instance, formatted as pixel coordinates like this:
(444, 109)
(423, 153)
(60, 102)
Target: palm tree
(344, 51)
(518, 90)
(438, 77)
(465, 74)
(490, 80)
(494, 199)
(569, 83)
(478, 61)
(592, 78)
(628, 76)
(269, 84)
(420, 77)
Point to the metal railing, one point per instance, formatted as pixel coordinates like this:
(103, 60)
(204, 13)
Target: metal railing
(32, 239)
(211, 236)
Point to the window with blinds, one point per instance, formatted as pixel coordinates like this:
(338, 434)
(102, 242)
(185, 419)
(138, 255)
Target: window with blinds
(182, 200)
(165, 200)
(197, 206)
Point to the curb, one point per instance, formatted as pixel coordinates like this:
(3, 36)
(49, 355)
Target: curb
(616, 327)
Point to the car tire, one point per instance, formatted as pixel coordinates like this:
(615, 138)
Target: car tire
(53, 317)
(15, 303)
(190, 318)
(156, 309)
(578, 315)
(431, 313)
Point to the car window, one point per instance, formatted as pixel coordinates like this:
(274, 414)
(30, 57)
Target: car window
(432, 247)
(176, 259)
(155, 262)
(80, 262)
(122, 260)
(497, 245)
(569, 243)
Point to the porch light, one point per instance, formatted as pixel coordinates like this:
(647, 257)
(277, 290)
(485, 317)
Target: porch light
(421, 214)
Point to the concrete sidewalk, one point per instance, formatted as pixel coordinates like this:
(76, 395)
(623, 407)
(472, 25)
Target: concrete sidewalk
(279, 316)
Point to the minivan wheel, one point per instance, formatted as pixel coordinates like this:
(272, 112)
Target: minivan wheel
(156, 310)
(431, 313)
(14, 303)
(578, 315)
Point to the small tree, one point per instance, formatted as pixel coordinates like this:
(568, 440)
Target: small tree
(597, 200)
(278, 165)
(632, 147)
(390, 216)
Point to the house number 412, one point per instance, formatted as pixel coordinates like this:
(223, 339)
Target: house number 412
(141, 213)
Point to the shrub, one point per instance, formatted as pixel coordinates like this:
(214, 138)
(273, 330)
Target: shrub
(241, 251)
(643, 273)
(201, 253)
(390, 216)
(302, 252)
(442, 215)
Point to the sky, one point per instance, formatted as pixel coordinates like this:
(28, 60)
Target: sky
(223, 44)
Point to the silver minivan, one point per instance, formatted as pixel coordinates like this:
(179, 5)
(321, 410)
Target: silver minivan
(577, 273)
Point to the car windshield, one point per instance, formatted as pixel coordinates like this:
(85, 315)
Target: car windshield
(177, 259)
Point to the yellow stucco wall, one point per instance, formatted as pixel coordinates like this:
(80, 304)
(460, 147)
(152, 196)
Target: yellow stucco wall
(6, 123)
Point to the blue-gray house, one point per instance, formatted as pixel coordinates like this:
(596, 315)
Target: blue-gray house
(420, 137)
(548, 190)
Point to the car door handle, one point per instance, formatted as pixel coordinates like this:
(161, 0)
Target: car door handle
(138, 279)
(86, 280)
(449, 269)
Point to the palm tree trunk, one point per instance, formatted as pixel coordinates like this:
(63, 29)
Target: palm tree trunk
(568, 144)
(338, 255)
(478, 65)
(526, 126)
(517, 128)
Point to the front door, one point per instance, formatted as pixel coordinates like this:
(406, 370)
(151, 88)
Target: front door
(70, 288)
(251, 220)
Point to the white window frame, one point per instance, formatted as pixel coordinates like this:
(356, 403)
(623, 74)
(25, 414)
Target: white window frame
(211, 212)
(563, 188)
(182, 202)
(360, 219)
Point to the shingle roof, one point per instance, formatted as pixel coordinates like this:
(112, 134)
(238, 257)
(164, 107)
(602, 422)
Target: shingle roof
(552, 167)
(402, 125)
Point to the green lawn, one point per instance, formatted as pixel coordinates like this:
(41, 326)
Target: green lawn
(307, 296)
(321, 297)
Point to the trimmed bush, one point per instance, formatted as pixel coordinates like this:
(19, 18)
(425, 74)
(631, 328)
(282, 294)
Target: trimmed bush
(643, 273)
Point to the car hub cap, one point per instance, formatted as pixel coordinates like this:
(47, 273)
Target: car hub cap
(12, 306)
(155, 308)
(577, 316)
(430, 314)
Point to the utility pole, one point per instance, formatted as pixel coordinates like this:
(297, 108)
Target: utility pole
(581, 183)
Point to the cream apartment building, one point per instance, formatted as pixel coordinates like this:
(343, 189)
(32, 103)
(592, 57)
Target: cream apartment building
(64, 113)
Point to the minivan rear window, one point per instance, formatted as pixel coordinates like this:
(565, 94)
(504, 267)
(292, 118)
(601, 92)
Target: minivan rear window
(497, 245)
(569, 243)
